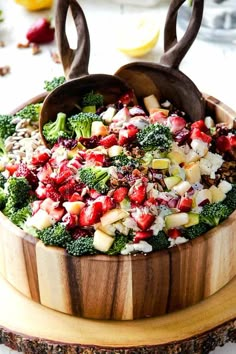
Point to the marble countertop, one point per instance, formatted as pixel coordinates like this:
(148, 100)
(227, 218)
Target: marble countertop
(210, 65)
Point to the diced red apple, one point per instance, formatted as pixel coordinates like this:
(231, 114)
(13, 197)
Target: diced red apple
(182, 187)
(203, 197)
(185, 204)
(73, 207)
(98, 128)
(41, 220)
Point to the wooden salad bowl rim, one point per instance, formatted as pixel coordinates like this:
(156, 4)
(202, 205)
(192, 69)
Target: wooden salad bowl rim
(123, 287)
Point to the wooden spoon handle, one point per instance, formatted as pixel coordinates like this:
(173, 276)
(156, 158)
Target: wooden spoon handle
(174, 50)
(75, 61)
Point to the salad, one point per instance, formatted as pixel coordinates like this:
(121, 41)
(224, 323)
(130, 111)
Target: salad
(118, 179)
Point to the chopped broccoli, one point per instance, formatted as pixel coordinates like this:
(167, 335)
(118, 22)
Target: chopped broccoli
(91, 101)
(212, 214)
(81, 246)
(124, 160)
(20, 216)
(195, 230)
(119, 243)
(230, 200)
(31, 112)
(18, 195)
(2, 180)
(81, 123)
(52, 131)
(7, 128)
(155, 137)
(56, 235)
(3, 199)
(55, 82)
(3, 151)
(1, 16)
(95, 177)
(159, 241)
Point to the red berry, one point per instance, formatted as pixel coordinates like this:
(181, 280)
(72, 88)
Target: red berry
(90, 214)
(109, 141)
(144, 221)
(41, 31)
(223, 143)
(200, 124)
(24, 171)
(174, 233)
(142, 235)
(137, 194)
(120, 194)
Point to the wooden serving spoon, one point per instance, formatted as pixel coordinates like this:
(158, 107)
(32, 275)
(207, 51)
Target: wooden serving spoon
(75, 64)
(165, 80)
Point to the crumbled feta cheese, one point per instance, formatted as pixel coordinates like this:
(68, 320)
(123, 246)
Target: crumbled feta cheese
(200, 147)
(129, 248)
(210, 163)
(143, 246)
(177, 241)
(130, 223)
(158, 225)
(225, 186)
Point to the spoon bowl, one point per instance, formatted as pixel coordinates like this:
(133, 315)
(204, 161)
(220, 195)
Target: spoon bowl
(165, 80)
(67, 96)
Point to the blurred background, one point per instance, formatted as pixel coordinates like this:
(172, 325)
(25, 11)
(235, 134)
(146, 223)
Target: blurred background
(121, 32)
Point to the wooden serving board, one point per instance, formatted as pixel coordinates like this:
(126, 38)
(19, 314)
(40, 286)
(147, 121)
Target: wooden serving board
(32, 328)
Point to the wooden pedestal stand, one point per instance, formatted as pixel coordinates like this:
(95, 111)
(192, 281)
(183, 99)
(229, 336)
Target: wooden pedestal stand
(29, 327)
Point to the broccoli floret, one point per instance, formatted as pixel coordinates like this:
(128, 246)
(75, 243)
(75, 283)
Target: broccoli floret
(230, 200)
(1, 16)
(212, 214)
(3, 199)
(52, 131)
(31, 112)
(155, 137)
(195, 230)
(56, 235)
(2, 180)
(18, 193)
(80, 247)
(20, 216)
(91, 101)
(81, 123)
(3, 151)
(95, 177)
(55, 82)
(159, 241)
(119, 243)
(124, 160)
(7, 128)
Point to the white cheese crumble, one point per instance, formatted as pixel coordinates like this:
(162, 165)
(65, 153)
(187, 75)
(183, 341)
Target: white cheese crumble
(142, 246)
(200, 147)
(225, 186)
(177, 241)
(210, 163)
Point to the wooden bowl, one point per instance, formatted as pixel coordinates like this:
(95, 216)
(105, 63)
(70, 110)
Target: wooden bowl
(122, 287)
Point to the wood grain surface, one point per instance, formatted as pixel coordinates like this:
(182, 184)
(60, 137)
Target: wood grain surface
(34, 329)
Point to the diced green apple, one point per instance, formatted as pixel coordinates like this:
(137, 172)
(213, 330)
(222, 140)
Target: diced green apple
(177, 157)
(113, 215)
(192, 156)
(107, 229)
(193, 219)
(171, 181)
(109, 114)
(160, 164)
(99, 129)
(102, 241)
(175, 220)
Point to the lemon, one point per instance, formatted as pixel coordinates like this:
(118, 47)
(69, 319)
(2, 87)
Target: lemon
(138, 35)
(35, 5)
